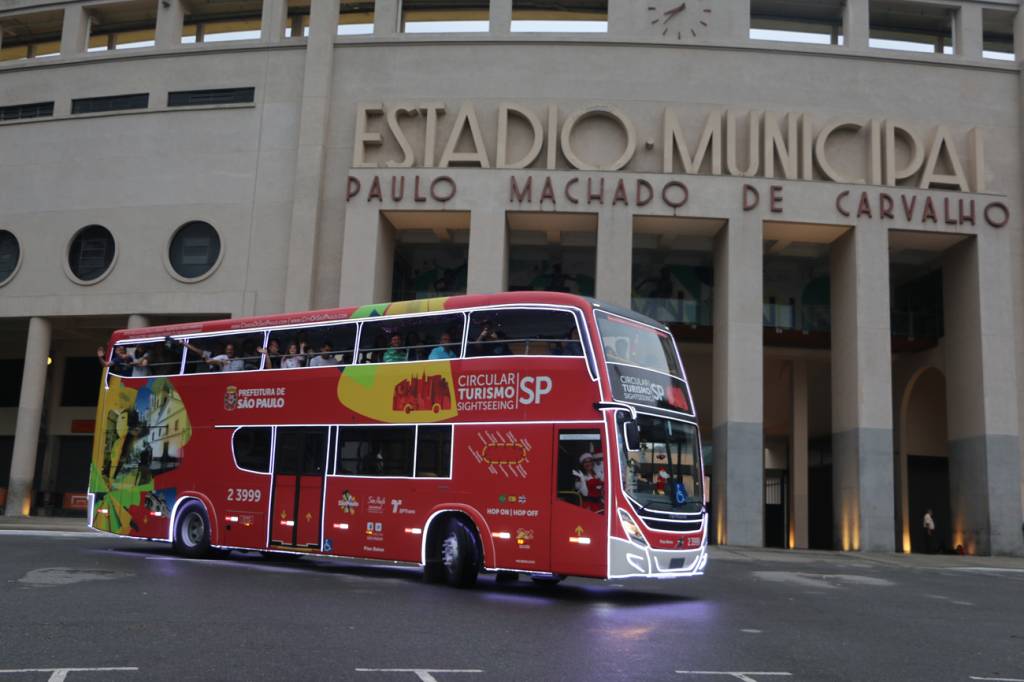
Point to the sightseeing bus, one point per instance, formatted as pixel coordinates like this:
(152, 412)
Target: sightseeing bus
(537, 433)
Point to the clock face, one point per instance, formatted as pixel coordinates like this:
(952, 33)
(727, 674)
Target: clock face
(679, 20)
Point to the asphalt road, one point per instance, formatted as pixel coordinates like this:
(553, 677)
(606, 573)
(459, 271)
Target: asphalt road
(73, 601)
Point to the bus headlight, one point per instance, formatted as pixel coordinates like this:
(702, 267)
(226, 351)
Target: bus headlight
(632, 530)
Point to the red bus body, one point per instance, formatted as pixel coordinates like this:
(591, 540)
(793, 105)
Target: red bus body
(165, 439)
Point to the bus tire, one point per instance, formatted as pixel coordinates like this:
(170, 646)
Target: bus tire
(460, 553)
(192, 531)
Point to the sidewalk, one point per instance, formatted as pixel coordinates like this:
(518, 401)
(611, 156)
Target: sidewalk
(62, 523)
(864, 559)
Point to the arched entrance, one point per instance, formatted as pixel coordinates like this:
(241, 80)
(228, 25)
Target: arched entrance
(923, 471)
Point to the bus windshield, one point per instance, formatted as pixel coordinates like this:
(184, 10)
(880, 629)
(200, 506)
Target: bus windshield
(631, 343)
(665, 474)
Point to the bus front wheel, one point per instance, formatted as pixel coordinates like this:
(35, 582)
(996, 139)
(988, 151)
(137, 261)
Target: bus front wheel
(192, 531)
(460, 553)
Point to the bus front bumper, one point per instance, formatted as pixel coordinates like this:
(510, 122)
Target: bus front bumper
(629, 560)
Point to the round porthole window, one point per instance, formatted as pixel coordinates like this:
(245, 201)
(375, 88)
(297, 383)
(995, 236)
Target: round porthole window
(194, 250)
(10, 256)
(91, 253)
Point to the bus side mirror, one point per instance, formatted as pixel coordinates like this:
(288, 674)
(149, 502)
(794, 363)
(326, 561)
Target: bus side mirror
(631, 435)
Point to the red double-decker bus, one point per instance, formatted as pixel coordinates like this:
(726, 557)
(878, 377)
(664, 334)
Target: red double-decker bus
(538, 433)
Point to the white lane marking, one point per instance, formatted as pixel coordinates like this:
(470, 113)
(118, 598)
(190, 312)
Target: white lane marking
(998, 679)
(60, 674)
(949, 599)
(425, 674)
(51, 533)
(745, 675)
(987, 569)
(751, 631)
(819, 580)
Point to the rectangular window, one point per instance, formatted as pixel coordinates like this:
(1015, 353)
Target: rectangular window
(445, 16)
(195, 98)
(797, 21)
(81, 380)
(558, 16)
(997, 33)
(10, 387)
(356, 17)
(311, 347)
(300, 450)
(23, 111)
(93, 105)
(911, 26)
(581, 468)
(434, 451)
(32, 35)
(154, 358)
(375, 451)
(224, 353)
(430, 337)
(251, 447)
(122, 25)
(523, 332)
(213, 22)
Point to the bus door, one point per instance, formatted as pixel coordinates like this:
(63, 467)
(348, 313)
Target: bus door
(300, 465)
(579, 525)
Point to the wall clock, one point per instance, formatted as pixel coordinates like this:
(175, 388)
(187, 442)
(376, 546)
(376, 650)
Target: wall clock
(680, 20)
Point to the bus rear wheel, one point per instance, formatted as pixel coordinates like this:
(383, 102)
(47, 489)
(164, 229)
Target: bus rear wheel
(192, 531)
(460, 553)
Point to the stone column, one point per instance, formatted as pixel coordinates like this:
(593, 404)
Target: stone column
(737, 393)
(856, 27)
(272, 22)
(136, 321)
(981, 396)
(30, 413)
(170, 19)
(967, 32)
(798, 459)
(386, 18)
(614, 281)
(862, 460)
(307, 187)
(501, 17)
(367, 257)
(74, 37)
(488, 252)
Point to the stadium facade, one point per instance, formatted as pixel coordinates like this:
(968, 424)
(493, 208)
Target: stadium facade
(831, 228)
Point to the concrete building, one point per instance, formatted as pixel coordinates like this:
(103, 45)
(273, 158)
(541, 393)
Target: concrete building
(822, 197)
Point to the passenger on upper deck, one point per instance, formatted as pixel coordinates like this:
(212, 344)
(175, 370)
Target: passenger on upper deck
(444, 350)
(395, 352)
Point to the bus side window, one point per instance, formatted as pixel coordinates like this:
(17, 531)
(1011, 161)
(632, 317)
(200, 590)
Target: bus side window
(426, 337)
(300, 450)
(581, 469)
(251, 447)
(523, 332)
(434, 451)
(154, 358)
(375, 451)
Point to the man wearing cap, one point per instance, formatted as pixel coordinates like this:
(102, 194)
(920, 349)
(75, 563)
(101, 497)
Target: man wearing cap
(590, 482)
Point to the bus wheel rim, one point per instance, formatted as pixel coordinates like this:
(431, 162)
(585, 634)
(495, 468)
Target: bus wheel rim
(450, 550)
(193, 529)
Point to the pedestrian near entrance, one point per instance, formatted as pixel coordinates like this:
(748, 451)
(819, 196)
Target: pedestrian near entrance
(929, 532)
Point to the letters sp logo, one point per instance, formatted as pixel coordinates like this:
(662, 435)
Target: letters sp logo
(230, 398)
(658, 390)
(532, 389)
